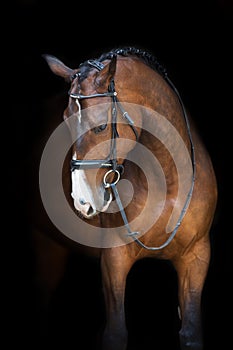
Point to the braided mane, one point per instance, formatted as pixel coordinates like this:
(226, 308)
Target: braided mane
(148, 58)
(145, 56)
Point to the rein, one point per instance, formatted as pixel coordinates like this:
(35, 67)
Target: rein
(111, 161)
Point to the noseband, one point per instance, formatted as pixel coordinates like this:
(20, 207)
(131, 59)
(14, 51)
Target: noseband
(111, 161)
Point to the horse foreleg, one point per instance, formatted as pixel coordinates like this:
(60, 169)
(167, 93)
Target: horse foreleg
(115, 265)
(192, 270)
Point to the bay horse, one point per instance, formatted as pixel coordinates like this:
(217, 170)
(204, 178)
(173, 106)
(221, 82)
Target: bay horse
(136, 182)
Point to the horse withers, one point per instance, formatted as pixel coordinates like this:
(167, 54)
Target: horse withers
(133, 179)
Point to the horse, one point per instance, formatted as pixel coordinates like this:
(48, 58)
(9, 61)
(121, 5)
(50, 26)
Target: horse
(131, 179)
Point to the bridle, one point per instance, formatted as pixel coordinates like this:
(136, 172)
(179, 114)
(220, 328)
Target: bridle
(111, 161)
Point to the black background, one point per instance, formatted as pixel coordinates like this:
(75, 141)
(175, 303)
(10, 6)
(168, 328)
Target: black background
(193, 39)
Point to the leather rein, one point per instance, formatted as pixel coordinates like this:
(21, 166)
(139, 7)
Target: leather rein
(111, 161)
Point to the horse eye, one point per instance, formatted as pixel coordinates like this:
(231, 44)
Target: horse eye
(100, 128)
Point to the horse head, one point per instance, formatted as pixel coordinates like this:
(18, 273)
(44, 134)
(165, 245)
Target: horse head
(102, 130)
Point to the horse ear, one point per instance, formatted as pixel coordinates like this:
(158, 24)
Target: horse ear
(107, 73)
(58, 67)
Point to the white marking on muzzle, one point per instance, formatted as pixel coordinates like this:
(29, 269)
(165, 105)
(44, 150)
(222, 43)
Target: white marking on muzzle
(82, 194)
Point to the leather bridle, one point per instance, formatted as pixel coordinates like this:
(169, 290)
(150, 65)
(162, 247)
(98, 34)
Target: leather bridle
(111, 161)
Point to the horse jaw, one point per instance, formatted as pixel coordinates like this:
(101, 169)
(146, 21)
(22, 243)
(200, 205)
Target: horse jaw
(87, 202)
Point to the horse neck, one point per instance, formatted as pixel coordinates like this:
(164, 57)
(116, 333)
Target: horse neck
(163, 123)
(139, 84)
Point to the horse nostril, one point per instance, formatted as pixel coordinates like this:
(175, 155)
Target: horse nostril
(106, 196)
(82, 201)
(90, 210)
